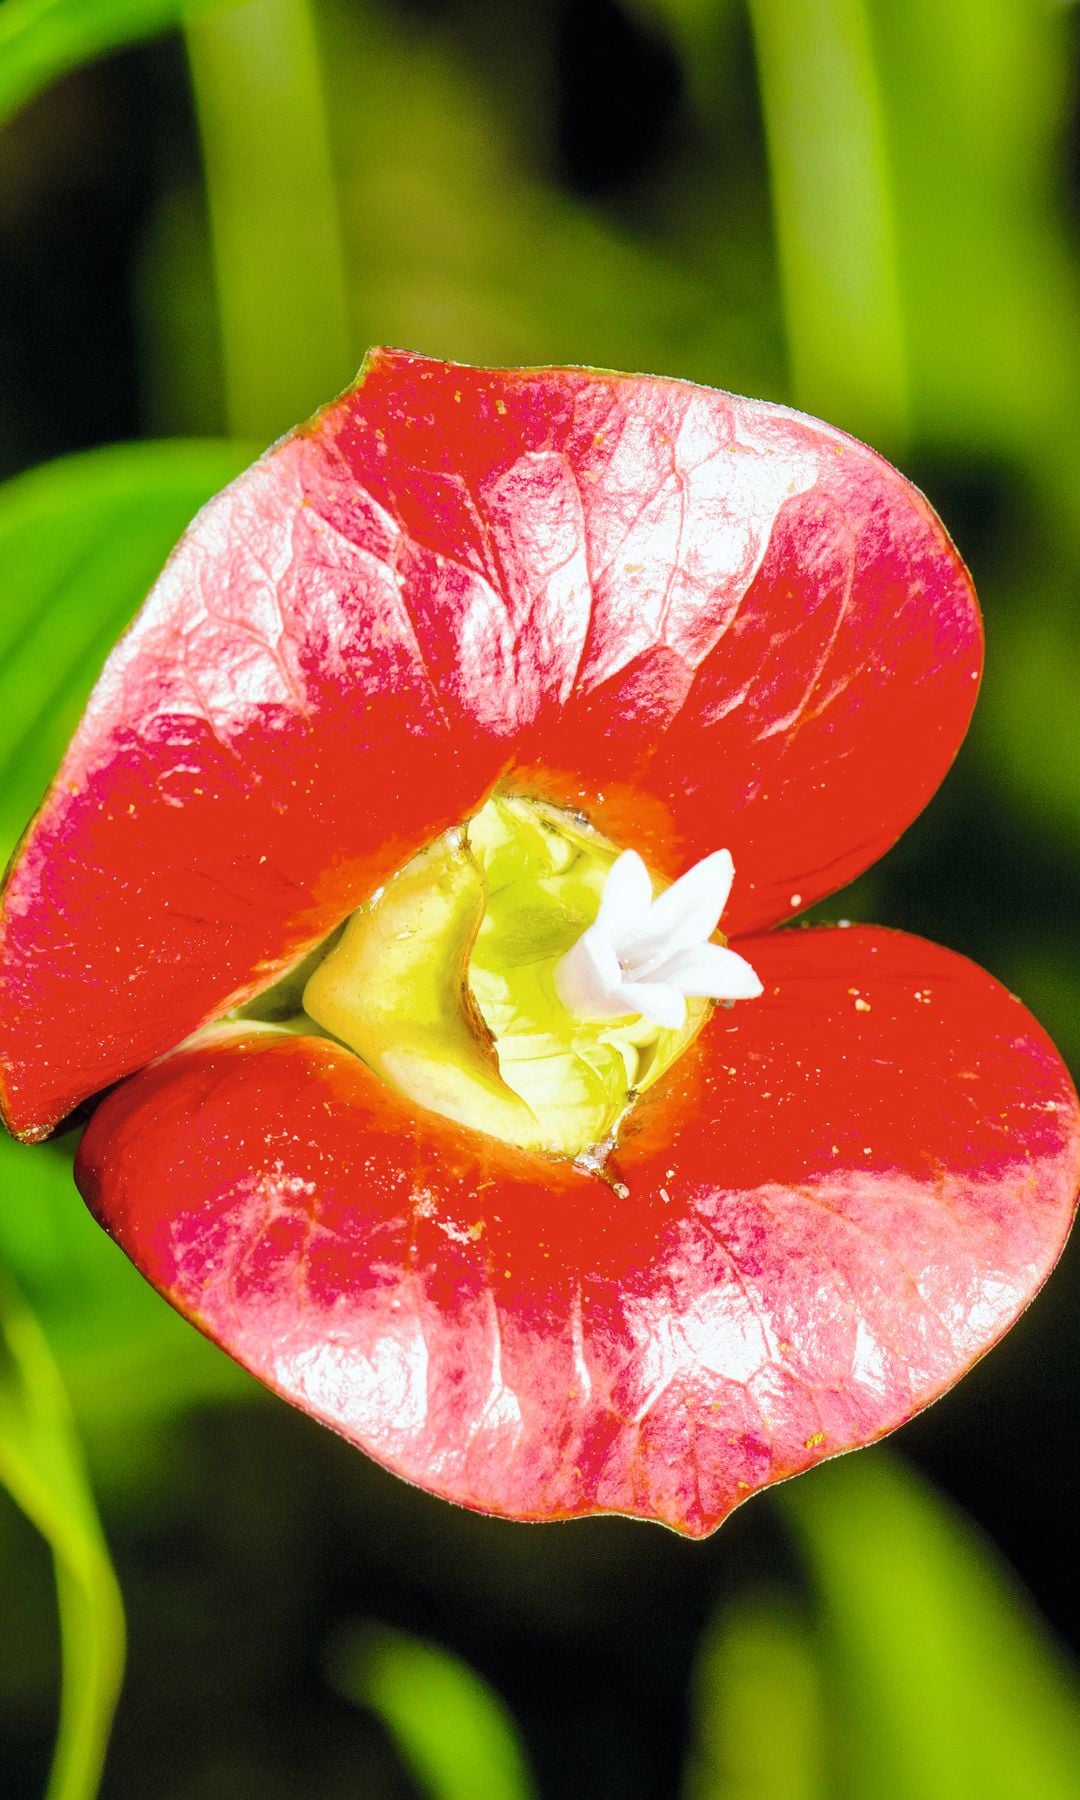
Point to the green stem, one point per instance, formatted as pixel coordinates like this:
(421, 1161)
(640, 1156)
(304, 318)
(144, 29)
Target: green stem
(273, 213)
(91, 1640)
(834, 212)
(41, 1468)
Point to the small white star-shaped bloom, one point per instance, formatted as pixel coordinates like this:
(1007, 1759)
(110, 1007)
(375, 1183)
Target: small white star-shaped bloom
(645, 956)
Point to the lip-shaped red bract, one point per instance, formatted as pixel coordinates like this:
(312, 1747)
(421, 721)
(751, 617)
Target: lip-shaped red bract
(822, 1219)
(703, 621)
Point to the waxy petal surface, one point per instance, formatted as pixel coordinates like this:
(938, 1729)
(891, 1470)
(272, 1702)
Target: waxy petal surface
(839, 1198)
(703, 620)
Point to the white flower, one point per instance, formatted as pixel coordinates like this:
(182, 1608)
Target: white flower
(645, 956)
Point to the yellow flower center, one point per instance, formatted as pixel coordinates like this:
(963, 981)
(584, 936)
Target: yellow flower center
(443, 983)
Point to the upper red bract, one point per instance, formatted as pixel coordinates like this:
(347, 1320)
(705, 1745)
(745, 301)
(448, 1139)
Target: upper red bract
(704, 621)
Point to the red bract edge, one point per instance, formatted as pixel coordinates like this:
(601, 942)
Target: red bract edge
(703, 621)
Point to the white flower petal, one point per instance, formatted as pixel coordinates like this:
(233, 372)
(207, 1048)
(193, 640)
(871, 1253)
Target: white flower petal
(699, 895)
(588, 977)
(711, 972)
(686, 913)
(627, 896)
(643, 956)
(653, 1000)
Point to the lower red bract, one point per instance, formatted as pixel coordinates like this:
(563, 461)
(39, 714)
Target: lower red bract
(836, 1202)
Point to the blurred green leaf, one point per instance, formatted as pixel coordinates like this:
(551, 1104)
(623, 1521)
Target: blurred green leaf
(41, 1466)
(127, 1359)
(273, 213)
(832, 197)
(1045, 975)
(700, 30)
(1029, 724)
(81, 541)
(941, 1680)
(759, 1721)
(458, 249)
(453, 1733)
(920, 1674)
(455, 244)
(42, 39)
(179, 335)
(976, 97)
(691, 22)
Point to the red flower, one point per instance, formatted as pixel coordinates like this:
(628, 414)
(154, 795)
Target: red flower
(700, 621)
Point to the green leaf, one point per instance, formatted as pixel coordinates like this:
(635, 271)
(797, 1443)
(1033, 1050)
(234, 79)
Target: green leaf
(920, 1674)
(41, 1467)
(273, 213)
(760, 1727)
(833, 202)
(453, 1733)
(42, 39)
(976, 97)
(942, 1680)
(81, 541)
(1027, 724)
(465, 253)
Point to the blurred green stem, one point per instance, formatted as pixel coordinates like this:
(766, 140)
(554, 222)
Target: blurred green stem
(273, 213)
(91, 1641)
(834, 213)
(454, 1734)
(41, 1467)
(760, 1722)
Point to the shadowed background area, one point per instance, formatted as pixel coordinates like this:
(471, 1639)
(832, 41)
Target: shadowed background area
(206, 215)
